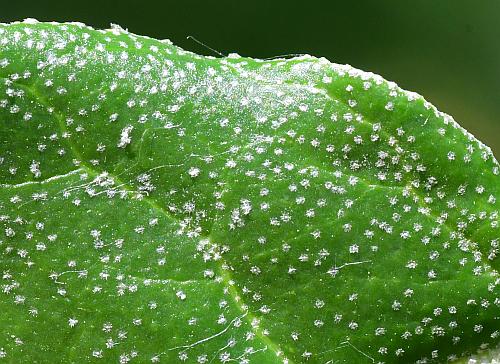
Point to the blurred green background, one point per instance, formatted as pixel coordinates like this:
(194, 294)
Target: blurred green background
(448, 51)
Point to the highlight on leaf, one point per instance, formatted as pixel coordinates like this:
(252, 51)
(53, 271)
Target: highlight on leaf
(161, 206)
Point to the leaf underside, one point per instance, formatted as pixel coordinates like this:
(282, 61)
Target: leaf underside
(161, 206)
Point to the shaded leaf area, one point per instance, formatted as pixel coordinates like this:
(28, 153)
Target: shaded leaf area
(160, 206)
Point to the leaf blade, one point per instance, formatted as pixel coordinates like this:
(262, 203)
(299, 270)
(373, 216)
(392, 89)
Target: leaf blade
(269, 210)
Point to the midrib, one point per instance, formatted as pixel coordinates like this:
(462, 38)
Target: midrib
(224, 273)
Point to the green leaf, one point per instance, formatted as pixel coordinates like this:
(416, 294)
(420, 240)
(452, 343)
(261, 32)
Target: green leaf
(161, 206)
